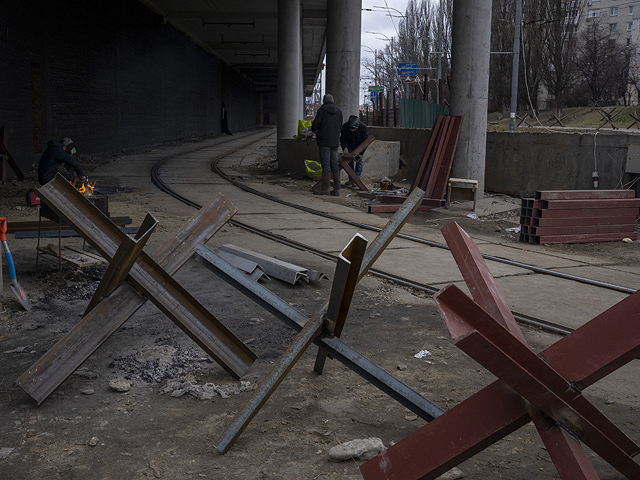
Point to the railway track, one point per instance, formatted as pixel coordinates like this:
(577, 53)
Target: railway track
(520, 317)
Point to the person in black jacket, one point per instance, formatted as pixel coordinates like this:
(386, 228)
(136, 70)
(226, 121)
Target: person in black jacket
(353, 133)
(327, 125)
(56, 159)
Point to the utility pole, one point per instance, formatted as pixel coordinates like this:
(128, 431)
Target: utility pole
(514, 75)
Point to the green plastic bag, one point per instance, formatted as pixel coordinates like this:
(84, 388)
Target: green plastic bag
(313, 168)
(302, 124)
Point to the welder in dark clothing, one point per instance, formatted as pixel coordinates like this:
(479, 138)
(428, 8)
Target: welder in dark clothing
(353, 133)
(57, 159)
(327, 125)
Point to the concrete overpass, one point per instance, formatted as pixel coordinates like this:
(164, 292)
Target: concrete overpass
(125, 74)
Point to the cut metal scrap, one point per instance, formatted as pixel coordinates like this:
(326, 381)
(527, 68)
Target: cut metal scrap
(287, 272)
(59, 362)
(361, 262)
(251, 268)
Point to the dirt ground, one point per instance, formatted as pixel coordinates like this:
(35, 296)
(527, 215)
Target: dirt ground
(165, 426)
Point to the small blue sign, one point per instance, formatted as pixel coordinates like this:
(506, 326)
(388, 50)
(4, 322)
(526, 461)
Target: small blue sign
(406, 69)
(374, 96)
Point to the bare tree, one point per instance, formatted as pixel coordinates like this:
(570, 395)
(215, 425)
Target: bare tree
(532, 54)
(560, 22)
(425, 25)
(500, 70)
(603, 64)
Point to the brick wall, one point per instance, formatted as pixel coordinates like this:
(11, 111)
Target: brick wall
(109, 75)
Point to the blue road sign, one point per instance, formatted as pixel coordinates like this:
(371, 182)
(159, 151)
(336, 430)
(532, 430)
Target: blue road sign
(406, 69)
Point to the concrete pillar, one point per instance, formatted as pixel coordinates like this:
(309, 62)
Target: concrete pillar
(343, 54)
(289, 68)
(470, 49)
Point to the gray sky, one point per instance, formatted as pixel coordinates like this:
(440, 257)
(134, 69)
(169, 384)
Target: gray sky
(383, 18)
(378, 20)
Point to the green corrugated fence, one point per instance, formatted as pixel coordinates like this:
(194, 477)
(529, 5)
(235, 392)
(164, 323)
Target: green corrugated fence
(420, 114)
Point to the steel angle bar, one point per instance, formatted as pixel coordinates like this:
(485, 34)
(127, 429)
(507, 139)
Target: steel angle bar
(247, 266)
(287, 272)
(122, 261)
(48, 372)
(147, 276)
(344, 284)
(334, 346)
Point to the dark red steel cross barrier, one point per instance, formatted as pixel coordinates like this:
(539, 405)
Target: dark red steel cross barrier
(545, 388)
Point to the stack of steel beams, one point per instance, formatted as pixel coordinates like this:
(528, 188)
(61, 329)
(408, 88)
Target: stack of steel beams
(578, 216)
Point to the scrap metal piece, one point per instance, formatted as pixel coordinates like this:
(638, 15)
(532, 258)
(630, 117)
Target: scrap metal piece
(361, 262)
(551, 385)
(287, 272)
(334, 346)
(59, 362)
(247, 266)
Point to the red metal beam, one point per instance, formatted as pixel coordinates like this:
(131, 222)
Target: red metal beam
(583, 194)
(595, 203)
(586, 212)
(608, 220)
(478, 278)
(584, 229)
(583, 238)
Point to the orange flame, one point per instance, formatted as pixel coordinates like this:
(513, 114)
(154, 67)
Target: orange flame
(86, 188)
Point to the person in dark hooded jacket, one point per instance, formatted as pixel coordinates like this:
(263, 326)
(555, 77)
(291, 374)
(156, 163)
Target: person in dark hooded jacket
(327, 126)
(55, 159)
(353, 133)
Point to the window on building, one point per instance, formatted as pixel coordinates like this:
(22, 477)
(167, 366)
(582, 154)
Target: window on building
(613, 27)
(631, 10)
(628, 42)
(593, 12)
(629, 25)
(614, 11)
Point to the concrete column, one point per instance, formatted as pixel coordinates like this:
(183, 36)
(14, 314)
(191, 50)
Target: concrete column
(289, 67)
(343, 54)
(470, 49)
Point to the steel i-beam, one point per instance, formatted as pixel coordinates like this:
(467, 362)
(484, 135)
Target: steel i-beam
(58, 363)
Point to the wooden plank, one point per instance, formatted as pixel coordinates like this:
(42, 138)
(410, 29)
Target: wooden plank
(75, 257)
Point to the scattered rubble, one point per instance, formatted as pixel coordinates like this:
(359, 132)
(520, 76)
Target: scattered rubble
(359, 449)
(120, 384)
(188, 384)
